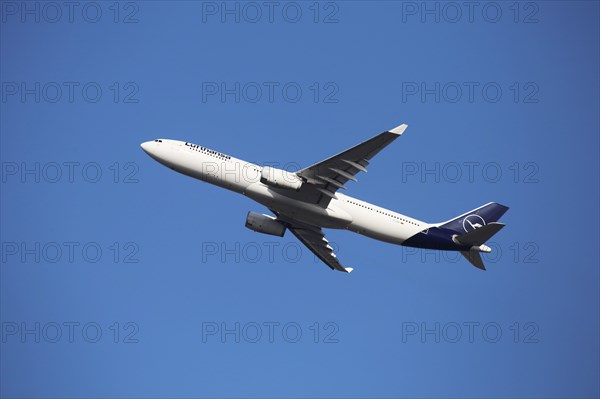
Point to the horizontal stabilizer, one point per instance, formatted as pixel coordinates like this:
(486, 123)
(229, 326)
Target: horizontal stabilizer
(480, 235)
(474, 257)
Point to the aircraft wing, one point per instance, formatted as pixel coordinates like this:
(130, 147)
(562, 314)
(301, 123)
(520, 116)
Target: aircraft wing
(314, 239)
(328, 176)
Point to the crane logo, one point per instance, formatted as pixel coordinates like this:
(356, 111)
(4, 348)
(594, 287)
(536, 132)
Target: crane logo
(473, 222)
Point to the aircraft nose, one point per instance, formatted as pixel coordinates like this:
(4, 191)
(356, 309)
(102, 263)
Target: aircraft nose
(146, 146)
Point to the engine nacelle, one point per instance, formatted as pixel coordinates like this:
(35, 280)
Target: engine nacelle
(280, 178)
(264, 224)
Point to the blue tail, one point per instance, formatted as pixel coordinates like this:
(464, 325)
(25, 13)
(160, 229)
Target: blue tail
(466, 233)
(476, 218)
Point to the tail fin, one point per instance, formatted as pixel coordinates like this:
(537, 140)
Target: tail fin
(476, 218)
(474, 228)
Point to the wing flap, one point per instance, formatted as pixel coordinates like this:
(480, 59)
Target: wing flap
(336, 183)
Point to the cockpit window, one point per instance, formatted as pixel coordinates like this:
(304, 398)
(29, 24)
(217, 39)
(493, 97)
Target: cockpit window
(157, 141)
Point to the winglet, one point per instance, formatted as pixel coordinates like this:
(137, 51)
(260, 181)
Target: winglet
(399, 129)
(348, 269)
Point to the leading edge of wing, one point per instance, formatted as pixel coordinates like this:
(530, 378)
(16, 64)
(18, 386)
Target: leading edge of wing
(330, 175)
(396, 132)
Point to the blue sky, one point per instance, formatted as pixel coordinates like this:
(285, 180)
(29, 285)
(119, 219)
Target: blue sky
(121, 278)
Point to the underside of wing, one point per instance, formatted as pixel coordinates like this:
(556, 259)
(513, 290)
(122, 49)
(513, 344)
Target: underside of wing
(314, 239)
(326, 177)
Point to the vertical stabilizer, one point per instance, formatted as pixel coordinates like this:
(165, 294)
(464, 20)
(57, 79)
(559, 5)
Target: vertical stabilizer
(476, 218)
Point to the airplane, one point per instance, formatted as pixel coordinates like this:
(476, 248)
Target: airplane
(308, 200)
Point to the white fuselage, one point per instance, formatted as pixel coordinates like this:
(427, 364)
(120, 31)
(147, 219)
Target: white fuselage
(343, 212)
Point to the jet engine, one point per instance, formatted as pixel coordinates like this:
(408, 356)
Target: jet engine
(264, 224)
(280, 178)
